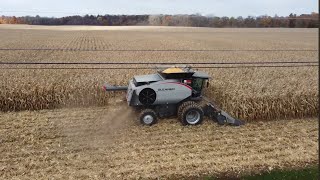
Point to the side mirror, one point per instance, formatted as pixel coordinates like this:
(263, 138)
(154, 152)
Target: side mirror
(208, 84)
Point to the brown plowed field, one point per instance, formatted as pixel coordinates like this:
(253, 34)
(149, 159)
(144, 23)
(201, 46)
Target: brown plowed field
(104, 143)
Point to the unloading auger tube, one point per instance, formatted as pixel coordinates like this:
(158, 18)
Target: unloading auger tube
(108, 87)
(173, 91)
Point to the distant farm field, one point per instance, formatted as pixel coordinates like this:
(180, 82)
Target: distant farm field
(280, 104)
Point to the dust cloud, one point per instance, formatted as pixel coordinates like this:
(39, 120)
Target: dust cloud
(98, 128)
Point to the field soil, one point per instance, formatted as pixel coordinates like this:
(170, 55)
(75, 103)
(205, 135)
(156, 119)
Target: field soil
(108, 143)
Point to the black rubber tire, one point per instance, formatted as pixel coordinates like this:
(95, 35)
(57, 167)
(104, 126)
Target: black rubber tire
(187, 109)
(145, 113)
(182, 106)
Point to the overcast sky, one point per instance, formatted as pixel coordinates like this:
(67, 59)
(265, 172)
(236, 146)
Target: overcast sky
(60, 8)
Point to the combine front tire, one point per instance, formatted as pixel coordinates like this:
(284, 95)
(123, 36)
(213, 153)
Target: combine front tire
(182, 106)
(191, 114)
(148, 117)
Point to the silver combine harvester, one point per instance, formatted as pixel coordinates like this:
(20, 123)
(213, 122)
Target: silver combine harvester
(173, 91)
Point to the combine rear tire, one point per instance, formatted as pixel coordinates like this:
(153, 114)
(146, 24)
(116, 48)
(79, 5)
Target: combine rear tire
(148, 117)
(192, 114)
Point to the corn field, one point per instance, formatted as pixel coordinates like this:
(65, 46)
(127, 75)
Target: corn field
(250, 94)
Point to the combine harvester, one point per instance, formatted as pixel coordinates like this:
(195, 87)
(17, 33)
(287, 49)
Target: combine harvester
(173, 91)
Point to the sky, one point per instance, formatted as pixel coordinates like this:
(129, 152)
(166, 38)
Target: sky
(59, 8)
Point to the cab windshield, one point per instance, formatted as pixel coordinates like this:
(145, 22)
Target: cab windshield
(197, 84)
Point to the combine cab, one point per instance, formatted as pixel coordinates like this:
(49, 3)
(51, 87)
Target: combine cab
(173, 91)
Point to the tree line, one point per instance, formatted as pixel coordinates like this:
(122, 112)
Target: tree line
(197, 20)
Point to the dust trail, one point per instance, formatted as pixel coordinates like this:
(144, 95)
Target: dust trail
(97, 128)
